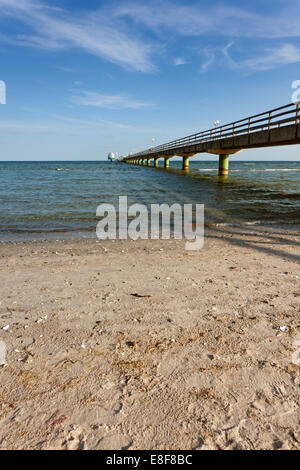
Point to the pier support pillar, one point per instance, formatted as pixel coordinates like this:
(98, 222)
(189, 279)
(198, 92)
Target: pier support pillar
(167, 163)
(148, 162)
(185, 163)
(223, 165)
(156, 162)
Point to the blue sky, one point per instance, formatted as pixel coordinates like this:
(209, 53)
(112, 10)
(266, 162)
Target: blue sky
(83, 80)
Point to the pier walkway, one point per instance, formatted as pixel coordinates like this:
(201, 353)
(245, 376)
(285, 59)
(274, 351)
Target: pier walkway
(277, 127)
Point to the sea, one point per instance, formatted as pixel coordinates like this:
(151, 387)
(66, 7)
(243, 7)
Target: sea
(58, 200)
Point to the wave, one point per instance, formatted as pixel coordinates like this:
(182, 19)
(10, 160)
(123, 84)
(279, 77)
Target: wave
(208, 223)
(253, 170)
(254, 223)
(273, 169)
(54, 230)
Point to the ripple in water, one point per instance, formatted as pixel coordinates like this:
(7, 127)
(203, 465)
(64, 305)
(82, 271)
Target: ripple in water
(47, 198)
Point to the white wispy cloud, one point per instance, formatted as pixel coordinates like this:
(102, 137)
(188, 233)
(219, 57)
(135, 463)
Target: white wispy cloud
(219, 18)
(98, 122)
(65, 69)
(226, 54)
(100, 100)
(179, 61)
(210, 59)
(216, 56)
(95, 33)
(114, 31)
(283, 55)
(268, 59)
(21, 125)
(65, 124)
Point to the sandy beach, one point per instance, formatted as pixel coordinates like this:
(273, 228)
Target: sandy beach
(143, 345)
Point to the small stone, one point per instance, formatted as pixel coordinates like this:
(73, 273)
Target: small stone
(284, 329)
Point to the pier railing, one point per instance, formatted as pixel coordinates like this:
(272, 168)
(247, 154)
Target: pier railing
(275, 118)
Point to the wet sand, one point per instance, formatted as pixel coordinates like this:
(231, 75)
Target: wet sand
(143, 345)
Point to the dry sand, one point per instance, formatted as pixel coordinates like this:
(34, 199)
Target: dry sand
(142, 345)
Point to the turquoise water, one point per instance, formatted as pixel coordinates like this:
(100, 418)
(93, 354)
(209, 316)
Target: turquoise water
(59, 199)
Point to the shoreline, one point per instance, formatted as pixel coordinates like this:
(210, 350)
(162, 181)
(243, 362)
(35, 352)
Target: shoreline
(69, 235)
(143, 345)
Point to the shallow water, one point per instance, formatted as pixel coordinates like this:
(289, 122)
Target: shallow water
(59, 199)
